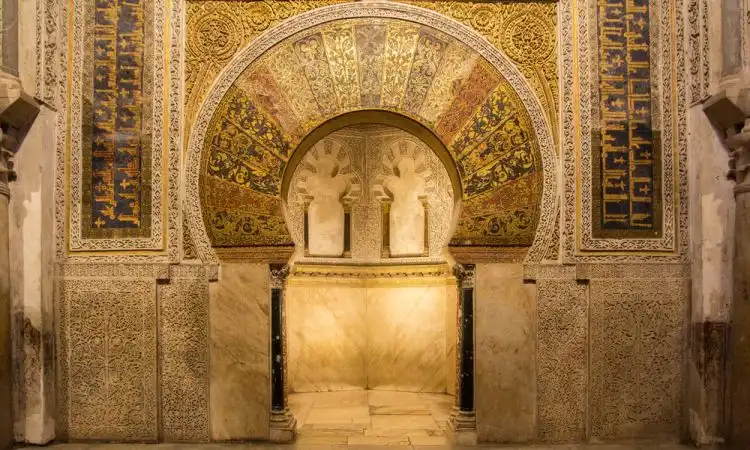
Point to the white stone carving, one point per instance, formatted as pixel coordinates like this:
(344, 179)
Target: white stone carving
(327, 187)
(404, 188)
(369, 156)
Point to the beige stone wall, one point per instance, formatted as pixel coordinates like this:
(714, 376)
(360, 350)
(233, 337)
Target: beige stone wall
(586, 353)
(569, 354)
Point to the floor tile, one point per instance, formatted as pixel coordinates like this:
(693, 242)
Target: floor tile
(428, 440)
(404, 422)
(378, 440)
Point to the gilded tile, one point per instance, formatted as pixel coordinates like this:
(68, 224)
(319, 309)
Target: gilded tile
(311, 53)
(370, 49)
(341, 49)
(400, 45)
(427, 58)
(458, 63)
(470, 95)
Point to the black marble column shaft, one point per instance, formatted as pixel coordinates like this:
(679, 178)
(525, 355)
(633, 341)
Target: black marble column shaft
(466, 380)
(278, 349)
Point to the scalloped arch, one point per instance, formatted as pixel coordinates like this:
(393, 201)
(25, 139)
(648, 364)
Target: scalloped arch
(370, 56)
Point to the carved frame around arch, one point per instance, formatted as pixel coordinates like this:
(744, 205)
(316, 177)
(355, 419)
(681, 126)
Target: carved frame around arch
(549, 208)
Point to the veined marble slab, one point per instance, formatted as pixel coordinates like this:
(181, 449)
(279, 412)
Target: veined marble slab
(240, 373)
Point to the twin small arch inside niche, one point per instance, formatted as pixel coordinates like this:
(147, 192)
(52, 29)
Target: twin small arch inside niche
(370, 193)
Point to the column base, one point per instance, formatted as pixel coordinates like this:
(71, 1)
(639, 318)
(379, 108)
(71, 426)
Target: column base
(282, 426)
(463, 427)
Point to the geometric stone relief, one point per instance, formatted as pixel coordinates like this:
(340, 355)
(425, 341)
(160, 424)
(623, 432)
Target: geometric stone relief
(184, 360)
(562, 360)
(637, 348)
(370, 154)
(107, 362)
(403, 186)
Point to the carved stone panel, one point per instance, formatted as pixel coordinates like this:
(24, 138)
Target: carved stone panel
(184, 359)
(562, 360)
(637, 349)
(107, 374)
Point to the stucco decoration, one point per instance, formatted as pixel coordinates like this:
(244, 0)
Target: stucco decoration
(361, 56)
(371, 151)
(403, 189)
(327, 183)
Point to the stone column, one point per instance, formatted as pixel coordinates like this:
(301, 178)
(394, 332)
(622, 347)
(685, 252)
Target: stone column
(282, 423)
(463, 423)
(17, 110)
(739, 344)
(6, 382)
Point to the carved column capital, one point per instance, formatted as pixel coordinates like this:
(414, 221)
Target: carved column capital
(17, 110)
(278, 275)
(729, 112)
(465, 275)
(7, 174)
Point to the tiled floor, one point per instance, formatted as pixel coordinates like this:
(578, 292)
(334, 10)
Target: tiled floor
(371, 418)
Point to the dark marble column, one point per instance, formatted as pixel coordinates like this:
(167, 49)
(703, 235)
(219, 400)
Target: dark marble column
(282, 422)
(739, 342)
(463, 424)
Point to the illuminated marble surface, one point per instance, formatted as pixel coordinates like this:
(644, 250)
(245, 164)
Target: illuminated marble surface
(369, 417)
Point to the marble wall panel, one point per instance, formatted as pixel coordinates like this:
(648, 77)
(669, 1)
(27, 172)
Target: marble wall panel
(107, 359)
(451, 328)
(326, 336)
(406, 338)
(562, 360)
(184, 360)
(638, 336)
(505, 373)
(712, 210)
(239, 348)
(31, 225)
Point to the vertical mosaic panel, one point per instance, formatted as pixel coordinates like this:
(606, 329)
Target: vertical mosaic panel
(116, 116)
(626, 167)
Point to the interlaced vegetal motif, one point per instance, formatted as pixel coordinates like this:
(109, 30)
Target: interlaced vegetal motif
(442, 41)
(217, 30)
(526, 32)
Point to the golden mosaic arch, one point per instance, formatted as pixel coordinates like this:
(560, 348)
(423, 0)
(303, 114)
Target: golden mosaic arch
(370, 57)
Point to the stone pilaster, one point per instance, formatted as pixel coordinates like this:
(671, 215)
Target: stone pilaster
(729, 111)
(463, 422)
(17, 110)
(739, 346)
(282, 422)
(6, 382)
